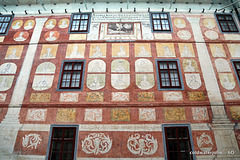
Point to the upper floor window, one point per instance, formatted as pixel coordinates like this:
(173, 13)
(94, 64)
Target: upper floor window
(169, 74)
(80, 22)
(72, 75)
(5, 22)
(236, 64)
(226, 23)
(178, 144)
(63, 143)
(160, 22)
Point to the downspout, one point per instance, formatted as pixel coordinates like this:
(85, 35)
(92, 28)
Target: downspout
(40, 1)
(85, 4)
(171, 4)
(236, 10)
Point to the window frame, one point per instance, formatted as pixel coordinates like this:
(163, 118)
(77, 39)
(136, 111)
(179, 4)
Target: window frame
(235, 69)
(179, 75)
(88, 25)
(220, 26)
(59, 88)
(164, 126)
(9, 24)
(169, 21)
(49, 147)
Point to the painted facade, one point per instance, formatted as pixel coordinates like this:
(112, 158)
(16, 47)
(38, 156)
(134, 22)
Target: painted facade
(120, 101)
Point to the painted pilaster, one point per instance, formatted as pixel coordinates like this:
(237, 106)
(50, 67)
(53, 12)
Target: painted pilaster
(10, 125)
(223, 129)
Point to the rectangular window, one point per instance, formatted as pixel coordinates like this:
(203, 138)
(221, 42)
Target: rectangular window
(80, 22)
(5, 22)
(62, 144)
(71, 75)
(236, 64)
(226, 23)
(178, 144)
(160, 22)
(169, 74)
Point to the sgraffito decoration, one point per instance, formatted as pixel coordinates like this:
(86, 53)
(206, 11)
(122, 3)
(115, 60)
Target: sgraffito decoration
(31, 141)
(147, 114)
(204, 142)
(36, 115)
(142, 144)
(120, 114)
(174, 114)
(235, 112)
(96, 143)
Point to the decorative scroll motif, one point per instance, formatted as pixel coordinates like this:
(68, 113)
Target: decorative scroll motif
(196, 96)
(66, 115)
(36, 115)
(172, 96)
(235, 112)
(31, 141)
(69, 97)
(147, 114)
(3, 97)
(120, 114)
(95, 97)
(93, 115)
(174, 114)
(231, 96)
(200, 113)
(40, 97)
(204, 142)
(120, 96)
(145, 144)
(96, 143)
(145, 96)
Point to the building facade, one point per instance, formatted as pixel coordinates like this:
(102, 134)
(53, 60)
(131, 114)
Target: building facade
(120, 85)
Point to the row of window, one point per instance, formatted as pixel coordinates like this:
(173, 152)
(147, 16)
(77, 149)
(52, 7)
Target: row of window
(161, 22)
(63, 143)
(168, 74)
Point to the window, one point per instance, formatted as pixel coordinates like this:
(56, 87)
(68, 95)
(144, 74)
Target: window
(62, 144)
(177, 143)
(5, 22)
(169, 74)
(80, 23)
(236, 64)
(160, 22)
(226, 23)
(71, 75)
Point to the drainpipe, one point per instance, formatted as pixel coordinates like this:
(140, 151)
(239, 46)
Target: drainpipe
(236, 10)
